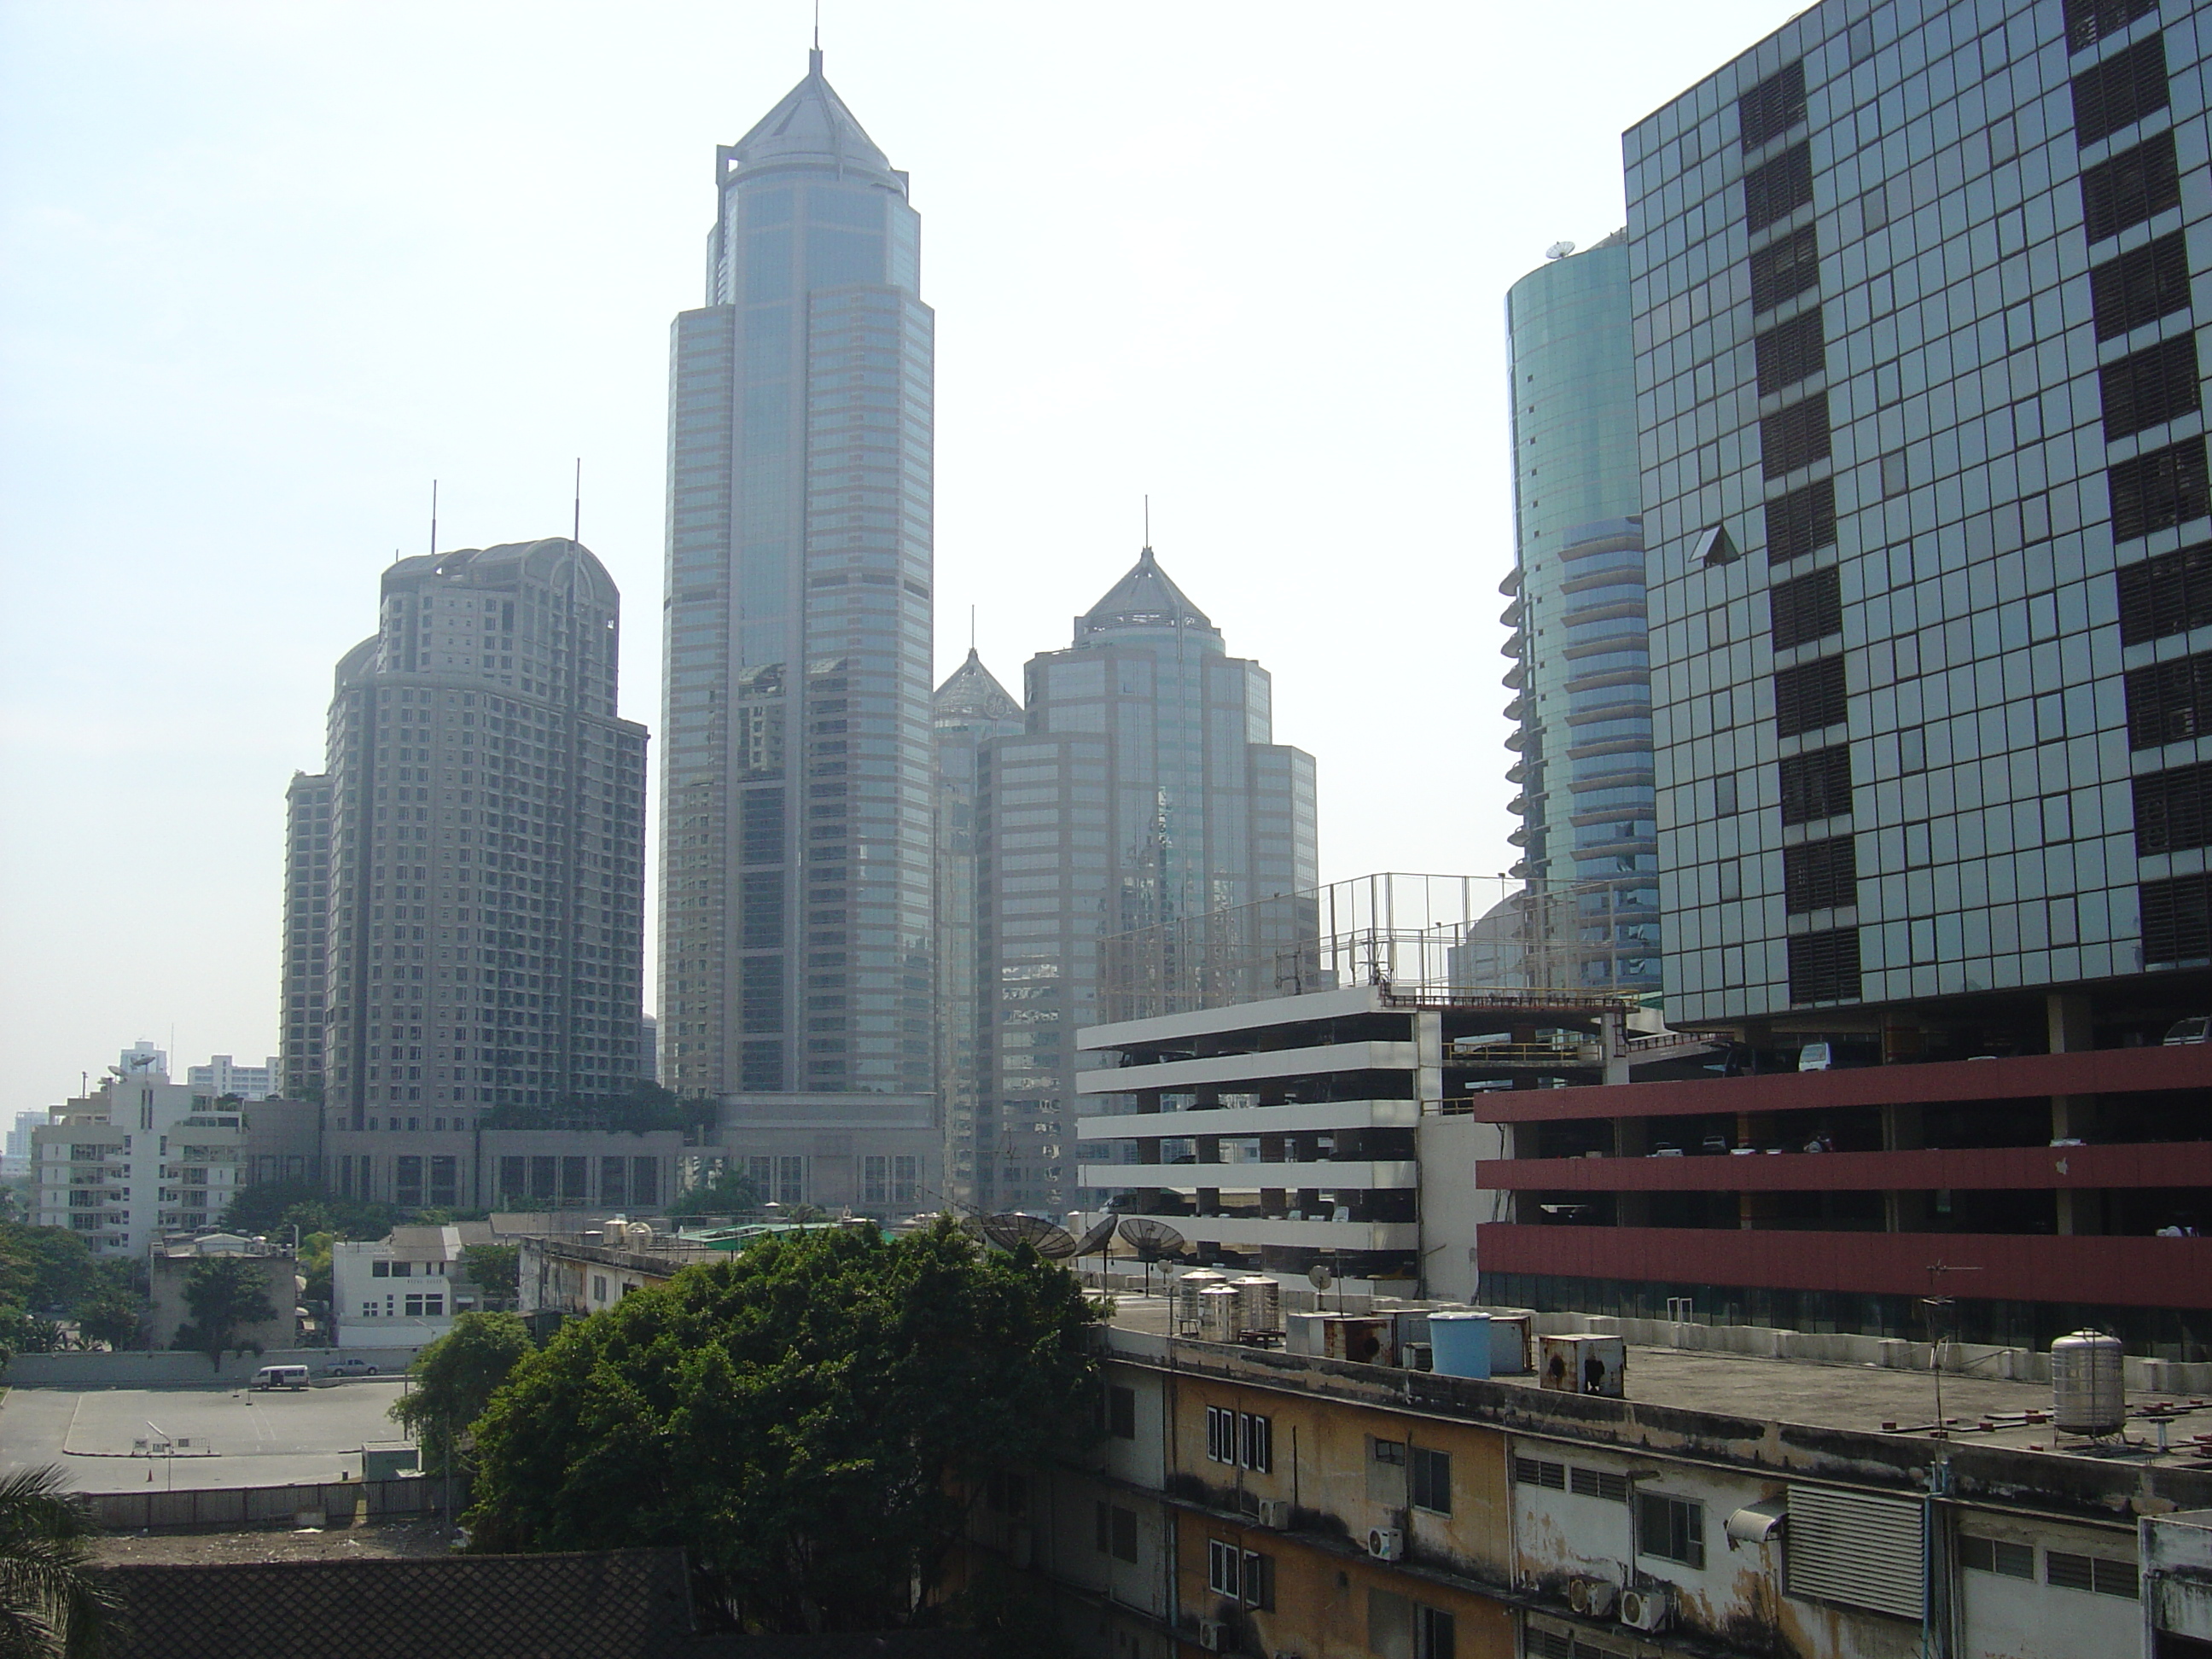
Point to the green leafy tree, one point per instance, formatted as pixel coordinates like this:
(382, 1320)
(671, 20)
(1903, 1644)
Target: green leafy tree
(111, 1316)
(455, 1378)
(226, 1294)
(727, 1194)
(271, 1208)
(810, 1418)
(46, 1268)
(53, 1604)
(496, 1269)
(23, 1332)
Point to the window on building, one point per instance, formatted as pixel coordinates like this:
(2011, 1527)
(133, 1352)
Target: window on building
(1429, 1479)
(1671, 1529)
(1240, 1439)
(2132, 187)
(1538, 1472)
(599, 1287)
(2100, 1574)
(1116, 1531)
(380, 1270)
(1121, 1413)
(1997, 1555)
(1243, 1576)
(1599, 1483)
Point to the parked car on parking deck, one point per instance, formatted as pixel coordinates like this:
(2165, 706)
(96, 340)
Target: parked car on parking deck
(349, 1368)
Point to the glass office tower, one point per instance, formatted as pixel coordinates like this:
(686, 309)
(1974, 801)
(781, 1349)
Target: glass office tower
(795, 909)
(1146, 788)
(1914, 300)
(1580, 673)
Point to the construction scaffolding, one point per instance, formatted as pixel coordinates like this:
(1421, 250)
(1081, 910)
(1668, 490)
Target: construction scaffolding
(1425, 937)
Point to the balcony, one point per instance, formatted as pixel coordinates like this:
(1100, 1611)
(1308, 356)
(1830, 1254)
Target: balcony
(1255, 1230)
(2155, 1273)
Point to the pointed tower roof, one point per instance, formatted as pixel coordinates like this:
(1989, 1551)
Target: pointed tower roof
(1144, 598)
(972, 691)
(812, 122)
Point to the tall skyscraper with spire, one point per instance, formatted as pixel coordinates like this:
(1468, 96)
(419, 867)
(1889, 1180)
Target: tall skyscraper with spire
(1145, 786)
(796, 820)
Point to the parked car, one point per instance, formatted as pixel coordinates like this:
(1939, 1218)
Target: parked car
(2197, 1027)
(349, 1368)
(280, 1377)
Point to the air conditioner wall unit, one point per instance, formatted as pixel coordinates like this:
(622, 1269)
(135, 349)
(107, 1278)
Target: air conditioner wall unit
(1275, 1514)
(1592, 1598)
(1647, 1609)
(1386, 1543)
(1212, 1635)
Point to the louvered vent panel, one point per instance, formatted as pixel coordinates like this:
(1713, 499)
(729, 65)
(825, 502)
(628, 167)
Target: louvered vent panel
(2158, 489)
(2130, 187)
(1806, 608)
(1784, 268)
(2169, 701)
(1816, 785)
(1820, 875)
(2119, 91)
(1794, 351)
(2149, 386)
(1801, 522)
(2177, 920)
(1775, 190)
(2142, 285)
(2088, 22)
(1858, 1549)
(2174, 809)
(2169, 595)
(1772, 108)
(1794, 437)
(1824, 967)
(1809, 696)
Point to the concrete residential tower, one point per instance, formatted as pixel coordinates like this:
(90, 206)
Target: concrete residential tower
(796, 896)
(486, 889)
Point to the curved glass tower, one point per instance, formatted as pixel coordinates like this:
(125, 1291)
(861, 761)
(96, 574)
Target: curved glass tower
(795, 909)
(1581, 674)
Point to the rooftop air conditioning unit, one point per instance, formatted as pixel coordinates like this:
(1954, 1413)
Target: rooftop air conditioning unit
(1592, 1598)
(1213, 1636)
(1386, 1543)
(1647, 1610)
(1275, 1514)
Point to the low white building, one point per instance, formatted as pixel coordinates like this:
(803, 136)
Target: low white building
(223, 1076)
(138, 1157)
(404, 1290)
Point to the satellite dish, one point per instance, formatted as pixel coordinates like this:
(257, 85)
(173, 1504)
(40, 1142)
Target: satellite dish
(1152, 1241)
(1318, 1276)
(1013, 1229)
(1099, 1238)
(1558, 250)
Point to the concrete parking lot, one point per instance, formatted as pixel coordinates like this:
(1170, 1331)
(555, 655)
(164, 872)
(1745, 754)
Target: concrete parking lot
(238, 1438)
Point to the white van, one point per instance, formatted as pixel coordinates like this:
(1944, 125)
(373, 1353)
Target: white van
(281, 1377)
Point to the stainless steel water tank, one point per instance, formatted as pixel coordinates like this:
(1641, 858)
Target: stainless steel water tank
(1260, 1300)
(2088, 1384)
(1187, 1290)
(1217, 1313)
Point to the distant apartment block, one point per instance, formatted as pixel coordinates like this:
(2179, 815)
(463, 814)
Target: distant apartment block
(222, 1078)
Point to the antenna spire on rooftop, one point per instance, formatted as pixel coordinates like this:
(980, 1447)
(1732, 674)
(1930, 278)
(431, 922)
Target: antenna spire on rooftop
(814, 57)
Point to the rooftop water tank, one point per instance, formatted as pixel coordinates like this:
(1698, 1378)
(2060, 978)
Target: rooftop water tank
(1460, 1342)
(1217, 1312)
(1259, 1303)
(2088, 1384)
(1187, 1290)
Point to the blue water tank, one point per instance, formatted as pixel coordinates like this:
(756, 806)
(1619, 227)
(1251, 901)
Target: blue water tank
(1460, 1343)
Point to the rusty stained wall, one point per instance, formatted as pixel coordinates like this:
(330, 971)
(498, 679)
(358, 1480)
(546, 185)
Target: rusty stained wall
(1737, 1597)
(1321, 1598)
(1325, 1465)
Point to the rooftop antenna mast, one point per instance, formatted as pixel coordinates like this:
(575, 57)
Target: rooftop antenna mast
(434, 518)
(576, 523)
(1148, 521)
(814, 57)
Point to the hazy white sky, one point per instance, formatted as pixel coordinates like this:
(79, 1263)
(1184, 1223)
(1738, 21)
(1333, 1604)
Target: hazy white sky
(266, 270)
